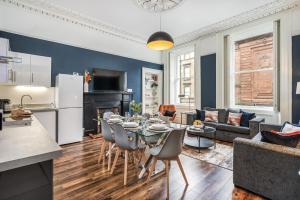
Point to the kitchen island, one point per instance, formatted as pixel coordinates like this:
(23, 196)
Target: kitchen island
(26, 162)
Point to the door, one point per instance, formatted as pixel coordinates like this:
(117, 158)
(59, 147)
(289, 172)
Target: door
(21, 71)
(40, 71)
(70, 91)
(70, 128)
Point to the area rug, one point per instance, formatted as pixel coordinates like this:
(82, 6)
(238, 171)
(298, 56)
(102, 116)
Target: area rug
(222, 156)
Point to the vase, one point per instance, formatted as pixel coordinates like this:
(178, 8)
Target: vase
(86, 87)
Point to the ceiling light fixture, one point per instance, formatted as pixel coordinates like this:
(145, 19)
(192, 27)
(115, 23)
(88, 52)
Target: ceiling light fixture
(160, 40)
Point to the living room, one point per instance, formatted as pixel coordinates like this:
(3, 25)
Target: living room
(159, 99)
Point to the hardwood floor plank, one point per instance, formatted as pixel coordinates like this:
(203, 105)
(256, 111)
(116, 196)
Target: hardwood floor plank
(78, 176)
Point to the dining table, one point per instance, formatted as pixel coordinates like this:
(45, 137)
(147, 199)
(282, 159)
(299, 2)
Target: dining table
(150, 138)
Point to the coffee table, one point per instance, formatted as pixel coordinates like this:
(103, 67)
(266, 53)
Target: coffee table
(197, 141)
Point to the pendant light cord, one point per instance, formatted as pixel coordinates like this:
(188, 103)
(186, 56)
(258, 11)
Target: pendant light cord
(160, 21)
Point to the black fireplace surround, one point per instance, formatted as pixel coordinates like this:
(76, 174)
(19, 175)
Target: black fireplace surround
(99, 101)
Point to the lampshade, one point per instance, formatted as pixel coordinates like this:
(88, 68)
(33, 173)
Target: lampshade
(298, 88)
(160, 41)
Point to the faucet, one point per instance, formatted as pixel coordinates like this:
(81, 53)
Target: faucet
(26, 95)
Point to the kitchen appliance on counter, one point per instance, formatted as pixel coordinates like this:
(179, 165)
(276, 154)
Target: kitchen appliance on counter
(69, 103)
(5, 105)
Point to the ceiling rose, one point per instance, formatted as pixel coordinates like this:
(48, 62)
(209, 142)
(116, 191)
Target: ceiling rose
(158, 5)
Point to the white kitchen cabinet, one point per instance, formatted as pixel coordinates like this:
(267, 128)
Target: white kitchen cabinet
(33, 70)
(48, 120)
(40, 71)
(21, 71)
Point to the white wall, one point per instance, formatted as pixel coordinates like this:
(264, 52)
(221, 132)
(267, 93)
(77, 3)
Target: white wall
(211, 44)
(29, 23)
(40, 95)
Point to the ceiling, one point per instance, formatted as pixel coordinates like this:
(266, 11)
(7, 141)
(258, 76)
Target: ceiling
(187, 17)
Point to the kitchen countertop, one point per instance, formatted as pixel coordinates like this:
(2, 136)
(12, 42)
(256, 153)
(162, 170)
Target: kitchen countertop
(38, 107)
(25, 145)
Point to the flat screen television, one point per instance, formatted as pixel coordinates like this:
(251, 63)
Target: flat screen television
(109, 80)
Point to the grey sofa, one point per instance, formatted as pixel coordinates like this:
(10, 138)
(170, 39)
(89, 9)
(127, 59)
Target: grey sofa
(226, 132)
(270, 170)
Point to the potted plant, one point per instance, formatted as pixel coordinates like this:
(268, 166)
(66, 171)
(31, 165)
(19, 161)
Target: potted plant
(136, 108)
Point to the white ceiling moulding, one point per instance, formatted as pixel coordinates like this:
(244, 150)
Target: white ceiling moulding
(70, 16)
(246, 17)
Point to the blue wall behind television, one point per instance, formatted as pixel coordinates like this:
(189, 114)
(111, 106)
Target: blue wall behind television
(68, 59)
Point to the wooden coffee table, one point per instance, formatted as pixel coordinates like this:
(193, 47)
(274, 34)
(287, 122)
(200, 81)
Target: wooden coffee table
(195, 138)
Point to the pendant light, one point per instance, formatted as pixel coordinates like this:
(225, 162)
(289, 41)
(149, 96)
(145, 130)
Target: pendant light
(160, 40)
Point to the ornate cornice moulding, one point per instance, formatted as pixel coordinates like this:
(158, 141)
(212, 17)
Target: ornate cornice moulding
(70, 16)
(246, 17)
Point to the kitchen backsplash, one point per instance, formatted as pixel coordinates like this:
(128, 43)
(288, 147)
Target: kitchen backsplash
(40, 95)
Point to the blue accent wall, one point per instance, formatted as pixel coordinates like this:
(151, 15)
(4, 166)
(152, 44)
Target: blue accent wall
(68, 59)
(296, 78)
(208, 81)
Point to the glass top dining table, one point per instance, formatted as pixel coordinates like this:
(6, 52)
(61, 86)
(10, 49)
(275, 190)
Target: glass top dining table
(151, 139)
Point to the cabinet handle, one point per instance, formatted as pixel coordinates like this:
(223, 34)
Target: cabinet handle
(10, 75)
(15, 76)
(32, 78)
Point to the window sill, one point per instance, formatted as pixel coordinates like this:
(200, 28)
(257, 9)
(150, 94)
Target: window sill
(258, 110)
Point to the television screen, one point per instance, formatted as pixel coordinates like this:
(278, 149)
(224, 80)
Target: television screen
(106, 83)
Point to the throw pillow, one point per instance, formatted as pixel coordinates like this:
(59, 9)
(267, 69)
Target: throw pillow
(211, 116)
(169, 113)
(234, 118)
(200, 114)
(286, 139)
(287, 127)
(246, 117)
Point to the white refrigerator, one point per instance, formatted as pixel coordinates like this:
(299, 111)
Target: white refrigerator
(69, 102)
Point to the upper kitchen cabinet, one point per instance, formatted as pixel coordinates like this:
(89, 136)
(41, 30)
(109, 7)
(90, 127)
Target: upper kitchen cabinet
(32, 70)
(40, 71)
(20, 72)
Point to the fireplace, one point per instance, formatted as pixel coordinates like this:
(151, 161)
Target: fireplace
(96, 103)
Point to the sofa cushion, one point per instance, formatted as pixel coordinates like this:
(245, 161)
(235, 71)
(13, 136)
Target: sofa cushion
(246, 117)
(234, 119)
(169, 113)
(200, 114)
(211, 124)
(287, 127)
(233, 129)
(285, 139)
(222, 114)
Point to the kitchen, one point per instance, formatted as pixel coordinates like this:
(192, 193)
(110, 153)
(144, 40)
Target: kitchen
(35, 119)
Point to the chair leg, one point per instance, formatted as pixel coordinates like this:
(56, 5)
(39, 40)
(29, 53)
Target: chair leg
(109, 155)
(152, 168)
(168, 179)
(182, 171)
(102, 151)
(115, 160)
(125, 167)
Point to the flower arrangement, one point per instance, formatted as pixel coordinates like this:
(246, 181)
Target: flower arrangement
(87, 76)
(136, 107)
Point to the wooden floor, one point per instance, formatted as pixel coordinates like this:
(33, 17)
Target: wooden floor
(78, 176)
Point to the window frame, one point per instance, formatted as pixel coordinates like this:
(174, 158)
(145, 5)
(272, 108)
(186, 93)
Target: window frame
(175, 80)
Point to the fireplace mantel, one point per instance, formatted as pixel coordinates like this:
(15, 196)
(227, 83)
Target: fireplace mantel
(103, 100)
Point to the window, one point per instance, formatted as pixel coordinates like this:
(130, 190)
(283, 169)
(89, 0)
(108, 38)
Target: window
(254, 71)
(182, 87)
(254, 67)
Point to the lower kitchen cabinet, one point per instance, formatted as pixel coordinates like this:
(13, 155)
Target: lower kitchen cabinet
(48, 120)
